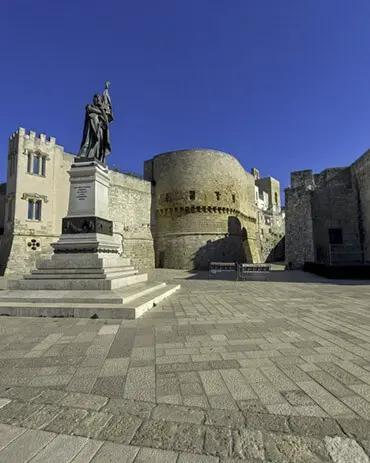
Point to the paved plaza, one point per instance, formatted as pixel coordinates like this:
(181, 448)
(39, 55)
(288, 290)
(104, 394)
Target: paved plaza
(220, 372)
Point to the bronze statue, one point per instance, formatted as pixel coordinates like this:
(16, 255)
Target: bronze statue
(95, 139)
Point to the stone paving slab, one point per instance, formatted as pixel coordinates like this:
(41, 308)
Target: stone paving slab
(211, 373)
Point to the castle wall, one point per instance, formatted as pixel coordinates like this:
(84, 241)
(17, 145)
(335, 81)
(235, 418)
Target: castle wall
(361, 174)
(299, 239)
(205, 209)
(316, 206)
(130, 210)
(334, 206)
(272, 230)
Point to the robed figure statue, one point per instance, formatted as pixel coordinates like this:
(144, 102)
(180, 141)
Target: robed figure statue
(95, 139)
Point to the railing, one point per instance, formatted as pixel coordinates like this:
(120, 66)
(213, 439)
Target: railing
(243, 271)
(219, 267)
(253, 271)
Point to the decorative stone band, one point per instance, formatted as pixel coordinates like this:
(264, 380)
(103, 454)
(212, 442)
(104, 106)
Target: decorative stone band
(34, 196)
(204, 209)
(85, 250)
(74, 225)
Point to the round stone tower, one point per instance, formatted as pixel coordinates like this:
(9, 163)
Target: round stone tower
(204, 209)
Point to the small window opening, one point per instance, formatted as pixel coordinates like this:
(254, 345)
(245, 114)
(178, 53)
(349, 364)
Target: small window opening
(335, 236)
(192, 194)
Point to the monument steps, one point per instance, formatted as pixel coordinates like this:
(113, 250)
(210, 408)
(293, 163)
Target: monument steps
(74, 262)
(118, 296)
(80, 276)
(129, 310)
(77, 271)
(86, 276)
(77, 284)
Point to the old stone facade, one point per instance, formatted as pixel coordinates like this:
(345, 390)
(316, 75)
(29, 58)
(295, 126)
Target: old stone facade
(207, 208)
(328, 215)
(36, 200)
(192, 206)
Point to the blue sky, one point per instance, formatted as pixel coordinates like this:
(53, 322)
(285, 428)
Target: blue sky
(283, 85)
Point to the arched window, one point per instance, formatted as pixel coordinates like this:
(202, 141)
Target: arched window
(276, 198)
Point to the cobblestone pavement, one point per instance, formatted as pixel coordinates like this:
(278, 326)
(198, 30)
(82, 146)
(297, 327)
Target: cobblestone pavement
(221, 372)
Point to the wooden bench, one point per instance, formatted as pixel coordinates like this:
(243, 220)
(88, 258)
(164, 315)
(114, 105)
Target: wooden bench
(253, 271)
(219, 267)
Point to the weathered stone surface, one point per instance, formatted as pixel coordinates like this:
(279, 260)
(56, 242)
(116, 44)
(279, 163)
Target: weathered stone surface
(16, 412)
(357, 428)
(252, 406)
(285, 448)
(88, 401)
(178, 414)
(345, 450)
(189, 438)
(229, 418)
(157, 434)
(132, 407)
(264, 422)
(218, 442)
(247, 445)
(22, 393)
(42, 417)
(314, 426)
(120, 429)
(92, 425)
(66, 420)
(50, 396)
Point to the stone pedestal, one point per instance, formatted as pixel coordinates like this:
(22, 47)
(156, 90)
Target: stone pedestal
(86, 228)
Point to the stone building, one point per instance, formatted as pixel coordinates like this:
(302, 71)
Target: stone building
(191, 207)
(328, 215)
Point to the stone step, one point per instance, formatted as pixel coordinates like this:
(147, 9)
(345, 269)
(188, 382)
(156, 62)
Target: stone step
(76, 261)
(119, 296)
(81, 276)
(78, 271)
(76, 283)
(129, 310)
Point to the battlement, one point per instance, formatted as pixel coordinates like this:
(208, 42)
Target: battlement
(302, 178)
(30, 134)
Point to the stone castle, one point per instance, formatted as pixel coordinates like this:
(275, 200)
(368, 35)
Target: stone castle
(192, 206)
(328, 215)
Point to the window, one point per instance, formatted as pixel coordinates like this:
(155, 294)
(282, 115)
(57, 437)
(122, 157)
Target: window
(34, 209)
(43, 165)
(29, 162)
(167, 197)
(217, 193)
(30, 209)
(233, 198)
(36, 165)
(276, 198)
(192, 194)
(335, 236)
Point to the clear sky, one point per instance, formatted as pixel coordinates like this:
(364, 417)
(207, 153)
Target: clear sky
(283, 85)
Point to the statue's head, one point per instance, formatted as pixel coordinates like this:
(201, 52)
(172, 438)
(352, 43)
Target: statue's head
(97, 99)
